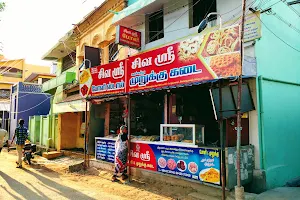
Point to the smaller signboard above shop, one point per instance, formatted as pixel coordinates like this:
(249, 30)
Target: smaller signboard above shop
(128, 37)
(103, 80)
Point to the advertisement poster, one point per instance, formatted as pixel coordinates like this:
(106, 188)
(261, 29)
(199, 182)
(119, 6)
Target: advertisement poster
(200, 164)
(103, 80)
(252, 28)
(105, 150)
(213, 56)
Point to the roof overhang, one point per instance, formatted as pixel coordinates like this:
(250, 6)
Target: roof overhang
(63, 48)
(132, 15)
(34, 76)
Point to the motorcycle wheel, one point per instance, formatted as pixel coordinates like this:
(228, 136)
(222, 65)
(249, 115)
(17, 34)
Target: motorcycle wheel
(28, 158)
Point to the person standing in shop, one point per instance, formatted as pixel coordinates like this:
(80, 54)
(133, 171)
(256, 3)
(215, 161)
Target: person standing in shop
(121, 154)
(21, 133)
(3, 136)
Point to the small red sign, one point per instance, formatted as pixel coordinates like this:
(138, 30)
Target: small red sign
(128, 37)
(142, 156)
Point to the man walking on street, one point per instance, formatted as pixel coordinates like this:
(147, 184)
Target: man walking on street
(21, 133)
(3, 135)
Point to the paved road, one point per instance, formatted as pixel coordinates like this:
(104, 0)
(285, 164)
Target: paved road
(41, 184)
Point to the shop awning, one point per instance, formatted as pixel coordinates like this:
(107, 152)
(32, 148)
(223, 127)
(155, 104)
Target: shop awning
(104, 99)
(59, 50)
(132, 14)
(64, 78)
(73, 103)
(5, 106)
(71, 106)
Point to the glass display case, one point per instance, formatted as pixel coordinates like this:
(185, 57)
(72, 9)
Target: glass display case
(187, 134)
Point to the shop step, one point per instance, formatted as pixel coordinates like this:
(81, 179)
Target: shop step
(52, 154)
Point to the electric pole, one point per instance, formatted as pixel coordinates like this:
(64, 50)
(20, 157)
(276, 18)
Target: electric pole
(239, 190)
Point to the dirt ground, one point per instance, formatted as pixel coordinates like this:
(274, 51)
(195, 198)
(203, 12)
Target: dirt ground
(51, 180)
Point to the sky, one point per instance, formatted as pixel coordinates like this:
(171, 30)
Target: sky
(29, 28)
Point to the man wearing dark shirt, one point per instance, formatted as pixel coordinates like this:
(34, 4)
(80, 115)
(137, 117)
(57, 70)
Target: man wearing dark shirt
(21, 133)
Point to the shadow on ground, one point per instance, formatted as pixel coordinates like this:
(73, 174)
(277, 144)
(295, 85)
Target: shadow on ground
(27, 193)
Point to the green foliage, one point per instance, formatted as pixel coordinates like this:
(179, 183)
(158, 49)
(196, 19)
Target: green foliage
(2, 6)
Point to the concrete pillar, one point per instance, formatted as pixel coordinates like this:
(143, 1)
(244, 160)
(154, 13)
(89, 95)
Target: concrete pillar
(40, 81)
(59, 132)
(105, 55)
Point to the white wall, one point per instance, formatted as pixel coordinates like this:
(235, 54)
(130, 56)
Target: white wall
(253, 125)
(180, 28)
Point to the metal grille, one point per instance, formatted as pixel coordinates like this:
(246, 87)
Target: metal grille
(32, 88)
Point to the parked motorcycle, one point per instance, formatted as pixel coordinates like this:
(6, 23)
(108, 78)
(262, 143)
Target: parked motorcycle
(28, 150)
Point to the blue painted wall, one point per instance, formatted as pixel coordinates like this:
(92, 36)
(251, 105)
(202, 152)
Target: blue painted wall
(33, 104)
(29, 100)
(280, 108)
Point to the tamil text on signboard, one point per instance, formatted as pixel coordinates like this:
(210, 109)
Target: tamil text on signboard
(193, 60)
(200, 164)
(128, 37)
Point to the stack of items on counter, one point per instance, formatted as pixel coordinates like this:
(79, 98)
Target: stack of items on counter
(145, 138)
(176, 138)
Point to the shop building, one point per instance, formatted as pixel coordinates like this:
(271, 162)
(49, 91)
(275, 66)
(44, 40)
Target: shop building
(163, 92)
(168, 96)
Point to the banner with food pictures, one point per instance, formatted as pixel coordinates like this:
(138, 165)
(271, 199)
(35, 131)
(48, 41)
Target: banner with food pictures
(197, 59)
(200, 164)
(103, 80)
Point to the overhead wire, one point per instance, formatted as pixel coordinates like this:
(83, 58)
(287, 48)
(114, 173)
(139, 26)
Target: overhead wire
(282, 40)
(291, 7)
(69, 53)
(267, 1)
(6, 70)
(272, 5)
(212, 3)
(173, 21)
(32, 107)
(7, 66)
(287, 23)
(50, 96)
(162, 9)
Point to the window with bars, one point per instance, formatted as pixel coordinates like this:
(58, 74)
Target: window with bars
(69, 61)
(113, 49)
(200, 10)
(156, 26)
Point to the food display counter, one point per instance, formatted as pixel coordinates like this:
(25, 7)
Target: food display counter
(180, 156)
